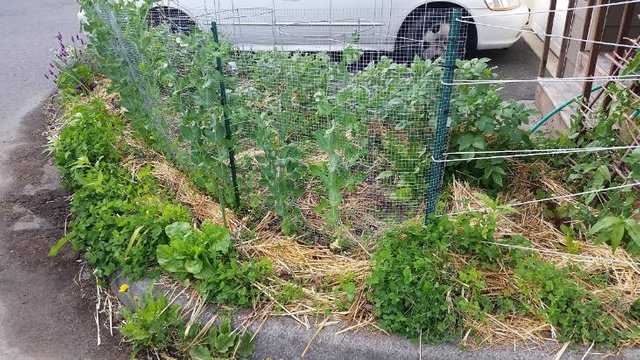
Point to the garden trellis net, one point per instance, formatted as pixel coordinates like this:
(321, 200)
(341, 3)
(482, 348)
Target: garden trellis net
(327, 122)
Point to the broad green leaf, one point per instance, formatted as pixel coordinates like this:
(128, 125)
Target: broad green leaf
(189, 133)
(217, 236)
(207, 272)
(407, 276)
(601, 176)
(246, 346)
(616, 235)
(225, 326)
(222, 244)
(471, 141)
(223, 343)
(193, 266)
(179, 230)
(200, 352)
(605, 223)
(350, 290)
(164, 254)
(633, 229)
(497, 179)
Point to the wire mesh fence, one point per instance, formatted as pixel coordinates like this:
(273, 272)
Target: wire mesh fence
(321, 118)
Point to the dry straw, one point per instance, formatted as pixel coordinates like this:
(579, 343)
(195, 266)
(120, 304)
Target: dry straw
(529, 221)
(320, 270)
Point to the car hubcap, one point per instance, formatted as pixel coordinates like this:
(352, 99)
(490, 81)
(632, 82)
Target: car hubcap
(434, 41)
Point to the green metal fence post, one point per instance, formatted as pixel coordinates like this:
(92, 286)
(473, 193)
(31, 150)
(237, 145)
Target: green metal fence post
(227, 124)
(436, 174)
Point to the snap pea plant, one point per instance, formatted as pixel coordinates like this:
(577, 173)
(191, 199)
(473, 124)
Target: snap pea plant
(281, 172)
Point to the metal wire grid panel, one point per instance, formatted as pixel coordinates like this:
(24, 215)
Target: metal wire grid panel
(336, 139)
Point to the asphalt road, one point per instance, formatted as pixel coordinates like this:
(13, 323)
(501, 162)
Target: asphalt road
(28, 28)
(46, 312)
(516, 62)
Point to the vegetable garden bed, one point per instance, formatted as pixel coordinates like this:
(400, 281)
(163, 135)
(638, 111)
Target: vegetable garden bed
(315, 206)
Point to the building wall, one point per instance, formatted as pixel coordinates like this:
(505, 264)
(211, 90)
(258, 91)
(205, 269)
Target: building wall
(613, 16)
(610, 33)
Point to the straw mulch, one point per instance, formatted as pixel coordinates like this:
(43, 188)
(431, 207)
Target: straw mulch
(550, 245)
(319, 269)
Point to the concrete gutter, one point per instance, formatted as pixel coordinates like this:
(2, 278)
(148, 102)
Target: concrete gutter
(285, 338)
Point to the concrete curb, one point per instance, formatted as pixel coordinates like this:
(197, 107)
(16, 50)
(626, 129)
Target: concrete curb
(284, 338)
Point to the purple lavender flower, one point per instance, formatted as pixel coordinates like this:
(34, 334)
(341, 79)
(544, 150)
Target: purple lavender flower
(82, 41)
(77, 36)
(46, 76)
(59, 36)
(51, 72)
(51, 65)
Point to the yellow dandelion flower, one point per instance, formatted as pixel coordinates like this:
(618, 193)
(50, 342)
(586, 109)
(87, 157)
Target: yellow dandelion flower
(124, 288)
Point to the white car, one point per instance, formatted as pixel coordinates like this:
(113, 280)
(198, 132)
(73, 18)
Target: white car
(412, 27)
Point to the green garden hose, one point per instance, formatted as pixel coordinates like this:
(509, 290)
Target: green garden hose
(569, 102)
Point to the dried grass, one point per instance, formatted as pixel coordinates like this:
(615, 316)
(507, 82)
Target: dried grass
(528, 221)
(320, 269)
(317, 267)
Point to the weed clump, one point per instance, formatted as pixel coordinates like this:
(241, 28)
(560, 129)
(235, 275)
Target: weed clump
(118, 217)
(412, 282)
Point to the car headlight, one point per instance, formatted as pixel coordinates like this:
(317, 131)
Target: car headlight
(502, 5)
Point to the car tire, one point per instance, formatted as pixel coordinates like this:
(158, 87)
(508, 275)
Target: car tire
(425, 33)
(178, 21)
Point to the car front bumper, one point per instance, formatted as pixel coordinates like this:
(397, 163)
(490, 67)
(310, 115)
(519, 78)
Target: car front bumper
(494, 27)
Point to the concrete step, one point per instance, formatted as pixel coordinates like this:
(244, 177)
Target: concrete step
(550, 95)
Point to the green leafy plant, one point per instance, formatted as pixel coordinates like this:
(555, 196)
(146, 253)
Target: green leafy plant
(575, 314)
(617, 231)
(481, 121)
(345, 292)
(330, 174)
(118, 218)
(281, 172)
(72, 68)
(634, 310)
(153, 324)
(224, 342)
(290, 292)
(157, 325)
(412, 280)
(475, 230)
(90, 135)
(606, 216)
(208, 256)
(410, 163)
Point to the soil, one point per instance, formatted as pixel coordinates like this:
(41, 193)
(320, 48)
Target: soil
(47, 305)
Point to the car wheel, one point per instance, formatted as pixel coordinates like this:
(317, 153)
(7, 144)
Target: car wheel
(425, 34)
(178, 21)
